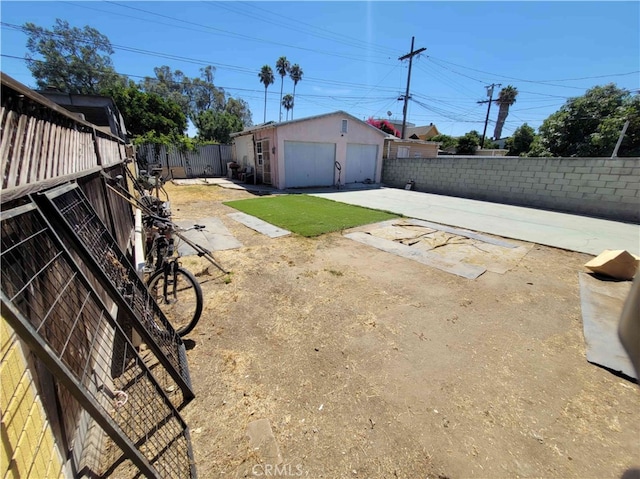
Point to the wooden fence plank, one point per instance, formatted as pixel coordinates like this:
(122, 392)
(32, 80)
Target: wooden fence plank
(18, 149)
(8, 128)
(25, 172)
(47, 149)
(37, 151)
(55, 152)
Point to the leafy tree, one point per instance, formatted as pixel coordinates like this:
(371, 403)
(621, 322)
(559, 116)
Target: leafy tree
(144, 112)
(194, 95)
(446, 141)
(266, 78)
(590, 125)
(72, 60)
(217, 126)
(506, 98)
(239, 108)
(282, 67)
(468, 144)
(203, 94)
(296, 75)
(384, 125)
(287, 103)
(521, 140)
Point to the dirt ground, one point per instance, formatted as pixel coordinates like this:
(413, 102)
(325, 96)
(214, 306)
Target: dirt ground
(368, 365)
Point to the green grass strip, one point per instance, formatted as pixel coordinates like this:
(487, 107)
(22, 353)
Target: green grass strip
(309, 215)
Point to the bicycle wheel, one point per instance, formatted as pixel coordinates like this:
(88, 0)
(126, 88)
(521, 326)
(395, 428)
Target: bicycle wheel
(182, 302)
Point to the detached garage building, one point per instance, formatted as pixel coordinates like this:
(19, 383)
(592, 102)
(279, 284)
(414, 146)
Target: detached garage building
(315, 151)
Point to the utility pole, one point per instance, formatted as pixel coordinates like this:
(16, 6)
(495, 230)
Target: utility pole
(489, 101)
(410, 56)
(624, 130)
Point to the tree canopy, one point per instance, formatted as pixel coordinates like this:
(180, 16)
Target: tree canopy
(590, 125)
(266, 78)
(75, 60)
(468, 143)
(70, 59)
(446, 141)
(506, 98)
(520, 142)
(217, 126)
(147, 113)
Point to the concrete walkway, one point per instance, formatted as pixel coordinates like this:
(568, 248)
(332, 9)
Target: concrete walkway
(571, 232)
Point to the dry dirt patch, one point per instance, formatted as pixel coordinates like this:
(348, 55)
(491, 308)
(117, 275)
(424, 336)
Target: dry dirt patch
(369, 365)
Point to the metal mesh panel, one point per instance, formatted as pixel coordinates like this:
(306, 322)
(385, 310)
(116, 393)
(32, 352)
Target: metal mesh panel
(120, 278)
(54, 309)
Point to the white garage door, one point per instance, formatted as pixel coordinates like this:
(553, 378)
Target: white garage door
(309, 164)
(361, 163)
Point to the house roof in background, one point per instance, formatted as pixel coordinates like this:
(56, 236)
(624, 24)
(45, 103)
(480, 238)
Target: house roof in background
(423, 130)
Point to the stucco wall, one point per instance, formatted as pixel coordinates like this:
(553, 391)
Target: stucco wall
(243, 150)
(603, 187)
(327, 130)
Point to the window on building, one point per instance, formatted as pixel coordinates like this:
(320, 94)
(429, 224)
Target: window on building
(259, 152)
(344, 126)
(403, 152)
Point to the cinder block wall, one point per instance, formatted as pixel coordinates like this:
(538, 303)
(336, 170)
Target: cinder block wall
(602, 187)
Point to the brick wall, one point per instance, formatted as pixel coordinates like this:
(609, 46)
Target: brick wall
(28, 446)
(603, 187)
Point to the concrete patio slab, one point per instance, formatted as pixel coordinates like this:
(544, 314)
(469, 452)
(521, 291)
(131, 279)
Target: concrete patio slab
(468, 271)
(258, 225)
(214, 237)
(560, 230)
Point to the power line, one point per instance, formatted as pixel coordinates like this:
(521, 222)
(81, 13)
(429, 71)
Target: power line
(244, 37)
(331, 36)
(152, 79)
(541, 82)
(236, 68)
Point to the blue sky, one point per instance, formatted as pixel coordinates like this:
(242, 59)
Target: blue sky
(349, 51)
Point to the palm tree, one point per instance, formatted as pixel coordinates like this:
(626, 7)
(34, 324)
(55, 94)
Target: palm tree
(282, 67)
(266, 78)
(296, 75)
(506, 98)
(287, 103)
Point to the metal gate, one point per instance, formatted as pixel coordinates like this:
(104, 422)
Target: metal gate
(54, 308)
(100, 251)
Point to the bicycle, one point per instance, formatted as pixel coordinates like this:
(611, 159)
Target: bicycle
(174, 288)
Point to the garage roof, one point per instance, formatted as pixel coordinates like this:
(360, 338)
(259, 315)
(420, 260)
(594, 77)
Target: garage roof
(273, 124)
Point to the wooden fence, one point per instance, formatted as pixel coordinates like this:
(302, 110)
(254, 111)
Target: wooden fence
(204, 161)
(42, 144)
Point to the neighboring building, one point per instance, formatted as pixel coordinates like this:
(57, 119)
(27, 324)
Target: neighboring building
(395, 148)
(315, 151)
(491, 152)
(422, 132)
(99, 110)
(502, 142)
(397, 124)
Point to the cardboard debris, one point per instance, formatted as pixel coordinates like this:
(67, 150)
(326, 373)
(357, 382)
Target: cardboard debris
(618, 264)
